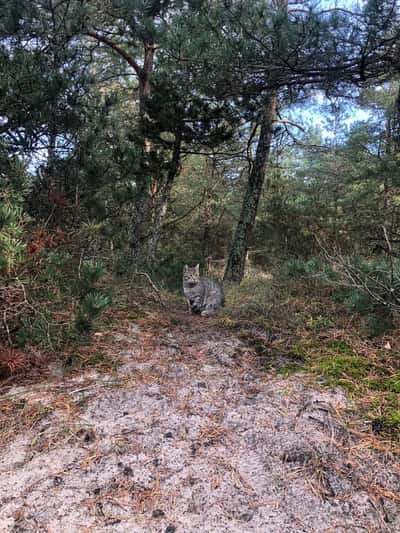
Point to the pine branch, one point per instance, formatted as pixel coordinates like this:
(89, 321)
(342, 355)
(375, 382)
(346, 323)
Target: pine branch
(129, 59)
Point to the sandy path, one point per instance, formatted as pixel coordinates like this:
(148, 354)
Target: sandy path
(190, 435)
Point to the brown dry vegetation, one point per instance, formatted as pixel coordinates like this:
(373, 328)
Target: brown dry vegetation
(297, 328)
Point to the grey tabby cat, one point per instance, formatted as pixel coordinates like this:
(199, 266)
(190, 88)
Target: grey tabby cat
(203, 295)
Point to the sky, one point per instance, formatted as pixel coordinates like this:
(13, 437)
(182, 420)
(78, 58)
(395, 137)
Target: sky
(346, 4)
(315, 113)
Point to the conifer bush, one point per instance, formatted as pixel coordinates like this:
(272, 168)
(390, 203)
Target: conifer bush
(92, 301)
(49, 295)
(89, 308)
(370, 287)
(367, 286)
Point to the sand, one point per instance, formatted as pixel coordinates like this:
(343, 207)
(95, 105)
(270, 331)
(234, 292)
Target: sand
(190, 433)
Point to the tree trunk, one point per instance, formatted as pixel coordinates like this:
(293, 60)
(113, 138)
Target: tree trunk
(142, 206)
(207, 227)
(244, 229)
(396, 132)
(211, 170)
(162, 205)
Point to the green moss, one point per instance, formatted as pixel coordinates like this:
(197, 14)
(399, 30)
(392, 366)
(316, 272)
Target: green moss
(388, 423)
(347, 384)
(299, 351)
(390, 384)
(393, 383)
(392, 420)
(340, 347)
(342, 369)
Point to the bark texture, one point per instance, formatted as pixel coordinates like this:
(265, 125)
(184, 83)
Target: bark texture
(164, 196)
(245, 226)
(142, 207)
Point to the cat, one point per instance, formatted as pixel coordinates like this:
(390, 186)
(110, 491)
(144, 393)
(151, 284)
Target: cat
(203, 295)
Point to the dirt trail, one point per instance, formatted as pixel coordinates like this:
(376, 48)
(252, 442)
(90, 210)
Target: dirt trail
(190, 434)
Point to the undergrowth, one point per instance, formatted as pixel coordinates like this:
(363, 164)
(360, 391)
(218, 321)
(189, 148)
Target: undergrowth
(321, 336)
(51, 295)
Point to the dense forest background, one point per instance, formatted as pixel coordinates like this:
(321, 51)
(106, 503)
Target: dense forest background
(260, 139)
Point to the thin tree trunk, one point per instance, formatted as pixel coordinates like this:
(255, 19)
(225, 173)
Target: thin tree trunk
(142, 205)
(162, 206)
(207, 227)
(211, 168)
(244, 229)
(396, 133)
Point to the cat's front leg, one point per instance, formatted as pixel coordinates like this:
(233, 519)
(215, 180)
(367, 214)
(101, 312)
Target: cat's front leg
(196, 304)
(208, 311)
(189, 306)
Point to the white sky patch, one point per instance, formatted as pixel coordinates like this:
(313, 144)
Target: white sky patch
(344, 4)
(359, 115)
(318, 114)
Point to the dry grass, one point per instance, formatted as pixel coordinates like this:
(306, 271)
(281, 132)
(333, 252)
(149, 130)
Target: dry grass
(212, 433)
(18, 416)
(124, 494)
(296, 328)
(62, 435)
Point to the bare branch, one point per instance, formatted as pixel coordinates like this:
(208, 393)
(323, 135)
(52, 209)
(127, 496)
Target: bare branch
(290, 123)
(152, 285)
(128, 58)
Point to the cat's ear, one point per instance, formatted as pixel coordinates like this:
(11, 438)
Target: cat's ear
(185, 268)
(197, 267)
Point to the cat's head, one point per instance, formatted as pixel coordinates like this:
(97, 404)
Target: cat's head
(191, 274)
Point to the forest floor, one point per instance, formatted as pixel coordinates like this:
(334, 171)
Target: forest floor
(171, 423)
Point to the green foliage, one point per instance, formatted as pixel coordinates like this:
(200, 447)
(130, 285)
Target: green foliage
(299, 267)
(90, 307)
(340, 347)
(13, 218)
(92, 300)
(371, 287)
(54, 273)
(379, 322)
(12, 247)
(90, 273)
(367, 286)
(388, 423)
(44, 287)
(38, 329)
(319, 322)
